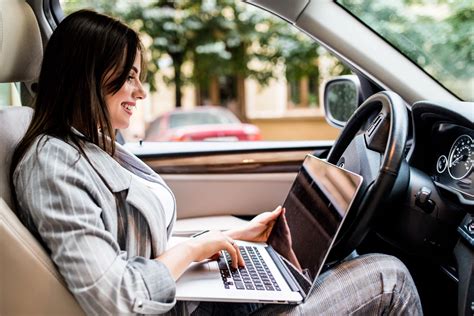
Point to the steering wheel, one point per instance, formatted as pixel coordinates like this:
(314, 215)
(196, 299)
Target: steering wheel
(372, 144)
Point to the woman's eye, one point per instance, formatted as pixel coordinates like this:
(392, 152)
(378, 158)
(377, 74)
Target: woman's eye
(130, 78)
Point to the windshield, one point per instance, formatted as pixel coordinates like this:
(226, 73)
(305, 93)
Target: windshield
(437, 35)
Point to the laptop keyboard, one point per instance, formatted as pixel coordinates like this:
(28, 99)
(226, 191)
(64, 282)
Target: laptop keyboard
(254, 276)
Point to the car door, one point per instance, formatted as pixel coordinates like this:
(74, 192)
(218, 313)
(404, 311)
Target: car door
(239, 179)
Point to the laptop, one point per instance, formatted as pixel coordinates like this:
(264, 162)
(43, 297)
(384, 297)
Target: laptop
(284, 269)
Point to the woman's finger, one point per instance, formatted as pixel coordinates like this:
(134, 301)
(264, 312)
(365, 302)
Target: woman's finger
(266, 217)
(241, 261)
(215, 256)
(272, 216)
(279, 210)
(229, 246)
(276, 212)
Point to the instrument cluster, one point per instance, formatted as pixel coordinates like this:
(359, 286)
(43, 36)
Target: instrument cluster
(454, 153)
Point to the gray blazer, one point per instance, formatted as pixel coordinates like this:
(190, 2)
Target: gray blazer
(100, 225)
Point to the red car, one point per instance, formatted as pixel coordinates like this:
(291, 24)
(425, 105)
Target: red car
(204, 123)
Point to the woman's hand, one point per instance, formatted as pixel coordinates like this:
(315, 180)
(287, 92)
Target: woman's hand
(259, 228)
(208, 245)
(178, 258)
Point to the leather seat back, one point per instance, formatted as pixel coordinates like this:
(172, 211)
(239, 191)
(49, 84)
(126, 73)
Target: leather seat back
(14, 121)
(29, 281)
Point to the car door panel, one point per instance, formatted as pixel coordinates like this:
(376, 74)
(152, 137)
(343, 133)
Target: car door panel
(224, 194)
(223, 181)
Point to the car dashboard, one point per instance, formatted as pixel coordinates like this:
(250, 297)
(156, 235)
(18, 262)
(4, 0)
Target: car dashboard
(437, 177)
(432, 222)
(444, 147)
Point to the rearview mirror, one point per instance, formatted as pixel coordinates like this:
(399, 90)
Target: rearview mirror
(341, 98)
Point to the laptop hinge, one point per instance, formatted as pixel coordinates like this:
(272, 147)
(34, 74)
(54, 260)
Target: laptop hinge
(287, 275)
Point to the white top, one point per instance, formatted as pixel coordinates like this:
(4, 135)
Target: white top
(164, 195)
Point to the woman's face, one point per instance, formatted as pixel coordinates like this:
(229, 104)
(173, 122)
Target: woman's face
(122, 104)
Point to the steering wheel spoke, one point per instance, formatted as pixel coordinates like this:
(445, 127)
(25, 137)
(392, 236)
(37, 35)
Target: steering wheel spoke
(361, 159)
(371, 144)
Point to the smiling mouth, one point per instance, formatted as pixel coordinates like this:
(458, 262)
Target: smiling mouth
(128, 108)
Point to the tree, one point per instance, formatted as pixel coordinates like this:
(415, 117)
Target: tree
(242, 41)
(173, 28)
(237, 42)
(442, 43)
(222, 38)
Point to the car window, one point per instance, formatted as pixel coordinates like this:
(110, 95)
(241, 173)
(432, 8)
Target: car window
(9, 94)
(436, 35)
(224, 54)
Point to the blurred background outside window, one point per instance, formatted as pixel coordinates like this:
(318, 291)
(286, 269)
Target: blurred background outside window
(228, 54)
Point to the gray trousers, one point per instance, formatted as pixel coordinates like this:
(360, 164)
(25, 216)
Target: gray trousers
(373, 284)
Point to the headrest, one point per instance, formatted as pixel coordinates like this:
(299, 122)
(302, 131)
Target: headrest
(21, 48)
(14, 121)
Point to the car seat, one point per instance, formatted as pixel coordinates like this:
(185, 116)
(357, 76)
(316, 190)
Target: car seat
(29, 281)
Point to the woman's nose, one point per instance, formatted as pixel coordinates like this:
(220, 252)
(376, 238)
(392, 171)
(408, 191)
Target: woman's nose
(140, 92)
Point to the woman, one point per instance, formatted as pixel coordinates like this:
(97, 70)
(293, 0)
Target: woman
(105, 217)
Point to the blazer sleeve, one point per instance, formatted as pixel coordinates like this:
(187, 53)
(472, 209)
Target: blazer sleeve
(54, 187)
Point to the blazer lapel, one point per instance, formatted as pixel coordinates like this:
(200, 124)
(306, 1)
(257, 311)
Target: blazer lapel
(138, 167)
(118, 179)
(115, 177)
(135, 165)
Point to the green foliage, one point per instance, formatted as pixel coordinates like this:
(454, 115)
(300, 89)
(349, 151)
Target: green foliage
(222, 38)
(219, 38)
(438, 35)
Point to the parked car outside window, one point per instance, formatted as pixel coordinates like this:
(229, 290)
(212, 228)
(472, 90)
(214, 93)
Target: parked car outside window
(203, 123)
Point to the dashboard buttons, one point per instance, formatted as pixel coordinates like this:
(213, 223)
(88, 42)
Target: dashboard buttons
(470, 227)
(466, 229)
(423, 201)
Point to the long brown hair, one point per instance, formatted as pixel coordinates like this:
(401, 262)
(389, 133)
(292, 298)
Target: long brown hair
(88, 56)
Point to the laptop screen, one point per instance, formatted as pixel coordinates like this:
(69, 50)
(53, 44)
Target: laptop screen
(316, 206)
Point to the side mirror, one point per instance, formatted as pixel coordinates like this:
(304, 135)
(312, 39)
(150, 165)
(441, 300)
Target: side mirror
(341, 97)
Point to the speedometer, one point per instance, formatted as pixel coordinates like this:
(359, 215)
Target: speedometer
(461, 157)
